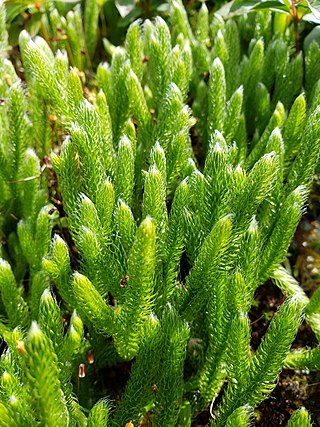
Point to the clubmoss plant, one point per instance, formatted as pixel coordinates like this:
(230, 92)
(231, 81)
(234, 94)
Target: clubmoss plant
(181, 177)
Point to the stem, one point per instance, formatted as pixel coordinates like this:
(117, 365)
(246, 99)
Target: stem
(296, 36)
(44, 33)
(296, 20)
(104, 29)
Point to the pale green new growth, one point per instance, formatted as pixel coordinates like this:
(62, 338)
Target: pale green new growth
(240, 417)
(92, 304)
(14, 304)
(41, 373)
(300, 418)
(216, 97)
(99, 415)
(91, 16)
(139, 292)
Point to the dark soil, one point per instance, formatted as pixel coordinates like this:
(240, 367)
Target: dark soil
(294, 390)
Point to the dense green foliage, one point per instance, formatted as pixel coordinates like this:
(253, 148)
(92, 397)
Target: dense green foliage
(178, 173)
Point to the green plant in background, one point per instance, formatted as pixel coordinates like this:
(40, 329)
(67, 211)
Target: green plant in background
(60, 23)
(291, 11)
(182, 180)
